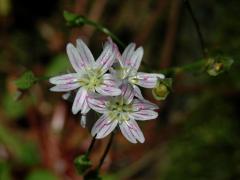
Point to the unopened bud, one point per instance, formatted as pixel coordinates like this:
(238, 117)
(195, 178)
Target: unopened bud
(217, 65)
(162, 89)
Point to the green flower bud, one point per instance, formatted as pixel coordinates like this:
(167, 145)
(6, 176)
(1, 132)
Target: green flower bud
(162, 89)
(217, 65)
(82, 164)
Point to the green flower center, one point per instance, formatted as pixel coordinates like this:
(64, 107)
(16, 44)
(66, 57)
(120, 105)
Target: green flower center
(92, 79)
(119, 109)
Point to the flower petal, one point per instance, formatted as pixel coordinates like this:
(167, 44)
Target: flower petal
(64, 87)
(134, 61)
(64, 79)
(127, 92)
(131, 131)
(104, 126)
(97, 103)
(85, 54)
(143, 115)
(137, 92)
(143, 104)
(127, 54)
(146, 80)
(107, 57)
(79, 100)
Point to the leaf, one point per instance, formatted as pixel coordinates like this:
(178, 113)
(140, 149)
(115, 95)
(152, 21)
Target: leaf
(26, 80)
(82, 163)
(41, 175)
(23, 152)
(58, 65)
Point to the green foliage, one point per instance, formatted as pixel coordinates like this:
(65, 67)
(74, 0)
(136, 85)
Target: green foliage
(74, 19)
(82, 164)
(58, 65)
(92, 175)
(24, 152)
(14, 108)
(26, 80)
(41, 175)
(5, 171)
(208, 147)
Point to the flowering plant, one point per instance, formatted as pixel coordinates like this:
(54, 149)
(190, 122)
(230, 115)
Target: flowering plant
(115, 94)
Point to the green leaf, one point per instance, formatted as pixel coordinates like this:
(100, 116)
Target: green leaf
(82, 164)
(93, 175)
(41, 175)
(58, 65)
(74, 19)
(26, 81)
(22, 151)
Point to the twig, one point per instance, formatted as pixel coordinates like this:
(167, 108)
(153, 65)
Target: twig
(196, 24)
(91, 145)
(106, 151)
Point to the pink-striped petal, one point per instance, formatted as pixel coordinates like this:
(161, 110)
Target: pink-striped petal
(135, 60)
(143, 115)
(143, 104)
(64, 79)
(131, 131)
(79, 100)
(109, 80)
(137, 92)
(146, 80)
(85, 54)
(127, 54)
(97, 103)
(74, 58)
(104, 126)
(107, 57)
(127, 92)
(65, 87)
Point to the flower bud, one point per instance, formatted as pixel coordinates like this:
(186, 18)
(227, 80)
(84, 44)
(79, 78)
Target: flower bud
(82, 163)
(217, 65)
(162, 89)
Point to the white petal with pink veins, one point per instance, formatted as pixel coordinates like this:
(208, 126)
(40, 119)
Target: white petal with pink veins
(127, 92)
(97, 103)
(85, 54)
(104, 126)
(131, 131)
(64, 79)
(144, 115)
(107, 57)
(146, 80)
(75, 59)
(137, 92)
(108, 90)
(65, 87)
(79, 100)
(127, 54)
(139, 105)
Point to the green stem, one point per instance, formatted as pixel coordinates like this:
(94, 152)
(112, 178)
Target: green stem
(91, 146)
(186, 68)
(106, 151)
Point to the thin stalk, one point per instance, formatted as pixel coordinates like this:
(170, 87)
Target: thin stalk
(106, 151)
(196, 24)
(91, 145)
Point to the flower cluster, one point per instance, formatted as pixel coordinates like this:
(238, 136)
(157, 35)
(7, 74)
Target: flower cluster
(109, 86)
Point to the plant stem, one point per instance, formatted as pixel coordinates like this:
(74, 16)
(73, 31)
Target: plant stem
(106, 151)
(185, 68)
(91, 145)
(196, 24)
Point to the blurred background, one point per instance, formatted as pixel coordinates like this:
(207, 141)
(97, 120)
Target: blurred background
(197, 133)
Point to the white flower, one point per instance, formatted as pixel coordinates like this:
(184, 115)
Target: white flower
(90, 76)
(127, 72)
(121, 110)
